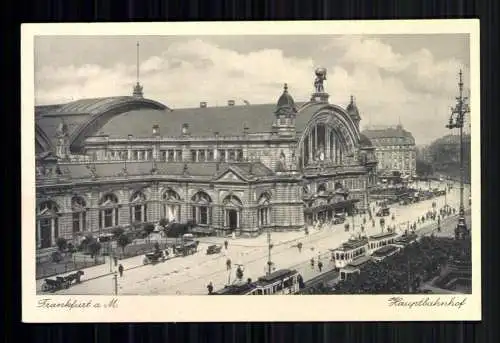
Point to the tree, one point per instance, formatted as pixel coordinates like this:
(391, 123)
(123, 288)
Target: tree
(85, 243)
(163, 222)
(423, 168)
(62, 244)
(148, 228)
(117, 232)
(123, 241)
(94, 248)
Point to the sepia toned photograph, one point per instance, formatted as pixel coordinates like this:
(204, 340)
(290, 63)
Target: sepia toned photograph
(259, 164)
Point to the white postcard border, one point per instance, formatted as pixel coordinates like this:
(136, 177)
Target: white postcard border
(232, 308)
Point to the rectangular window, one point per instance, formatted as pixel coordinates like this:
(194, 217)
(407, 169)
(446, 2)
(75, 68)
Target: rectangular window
(193, 155)
(210, 156)
(138, 213)
(194, 215)
(178, 155)
(240, 155)
(100, 220)
(108, 217)
(232, 155)
(204, 215)
(201, 155)
(76, 222)
(222, 155)
(170, 157)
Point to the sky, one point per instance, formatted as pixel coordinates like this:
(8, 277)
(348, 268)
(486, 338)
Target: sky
(407, 79)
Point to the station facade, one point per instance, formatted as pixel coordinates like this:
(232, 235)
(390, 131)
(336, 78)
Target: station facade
(122, 161)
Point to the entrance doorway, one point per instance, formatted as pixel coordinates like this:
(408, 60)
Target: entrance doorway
(232, 219)
(45, 233)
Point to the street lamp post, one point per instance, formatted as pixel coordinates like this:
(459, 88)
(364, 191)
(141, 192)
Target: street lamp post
(457, 121)
(115, 279)
(269, 247)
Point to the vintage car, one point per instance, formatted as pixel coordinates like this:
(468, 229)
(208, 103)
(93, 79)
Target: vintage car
(62, 282)
(338, 218)
(186, 248)
(214, 249)
(154, 257)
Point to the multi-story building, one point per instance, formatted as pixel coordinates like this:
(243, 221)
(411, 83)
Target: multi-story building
(394, 148)
(113, 162)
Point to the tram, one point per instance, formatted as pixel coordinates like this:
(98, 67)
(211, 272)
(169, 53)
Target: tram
(381, 239)
(280, 282)
(349, 251)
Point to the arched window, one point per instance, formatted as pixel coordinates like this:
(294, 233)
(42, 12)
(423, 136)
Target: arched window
(138, 208)
(232, 212)
(108, 212)
(264, 210)
(172, 205)
(78, 207)
(47, 224)
(201, 209)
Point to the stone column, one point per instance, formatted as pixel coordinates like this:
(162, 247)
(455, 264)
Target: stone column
(309, 137)
(52, 232)
(327, 142)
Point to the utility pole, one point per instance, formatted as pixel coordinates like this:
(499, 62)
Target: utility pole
(115, 279)
(457, 121)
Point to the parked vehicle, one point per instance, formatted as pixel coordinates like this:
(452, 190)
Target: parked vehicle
(338, 218)
(154, 257)
(214, 249)
(186, 248)
(62, 282)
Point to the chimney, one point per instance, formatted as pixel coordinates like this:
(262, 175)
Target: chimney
(230, 102)
(203, 104)
(185, 129)
(156, 130)
(130, 136)
(245, 129)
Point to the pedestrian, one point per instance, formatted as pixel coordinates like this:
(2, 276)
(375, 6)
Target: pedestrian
(226, 243)
(115, 259)
(228, 264)
(312, 262)
(210, 287)
(120, 270)
(299, 246)
(320, 265)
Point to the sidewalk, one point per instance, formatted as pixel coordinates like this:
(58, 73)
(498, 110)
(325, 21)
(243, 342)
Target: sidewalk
(101, 270)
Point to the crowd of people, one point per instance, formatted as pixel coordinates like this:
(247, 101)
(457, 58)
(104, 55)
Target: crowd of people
(405, 272)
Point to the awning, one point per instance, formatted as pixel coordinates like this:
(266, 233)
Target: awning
(337, 205)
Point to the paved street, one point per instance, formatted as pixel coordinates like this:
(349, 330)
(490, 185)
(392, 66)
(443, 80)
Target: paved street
(191, 274)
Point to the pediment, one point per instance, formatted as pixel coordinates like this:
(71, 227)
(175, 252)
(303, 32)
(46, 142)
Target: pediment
(230, 175)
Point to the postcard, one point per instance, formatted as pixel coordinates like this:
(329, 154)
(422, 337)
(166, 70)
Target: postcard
(330, 168)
